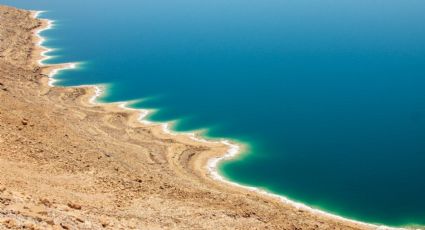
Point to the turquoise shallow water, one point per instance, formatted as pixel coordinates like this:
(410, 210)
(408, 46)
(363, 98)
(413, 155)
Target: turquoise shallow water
(328, 95)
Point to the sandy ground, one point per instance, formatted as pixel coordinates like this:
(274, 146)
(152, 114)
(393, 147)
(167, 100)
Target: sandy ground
(69, 164)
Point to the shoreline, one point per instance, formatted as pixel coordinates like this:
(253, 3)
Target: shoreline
(233, 150)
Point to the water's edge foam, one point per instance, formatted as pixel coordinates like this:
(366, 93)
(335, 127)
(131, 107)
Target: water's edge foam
(233, 148)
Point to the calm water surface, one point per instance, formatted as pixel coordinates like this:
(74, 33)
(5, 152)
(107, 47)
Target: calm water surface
(328, 95)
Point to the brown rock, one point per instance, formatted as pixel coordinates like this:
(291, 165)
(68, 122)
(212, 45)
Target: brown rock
(64, 226)
(46, 202)
(29, 226)
(50, 222)
(24, 121)
(105, 224)
(9, 223)
(74, 206)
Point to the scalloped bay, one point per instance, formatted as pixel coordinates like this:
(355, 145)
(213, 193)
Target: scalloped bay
(328, 95)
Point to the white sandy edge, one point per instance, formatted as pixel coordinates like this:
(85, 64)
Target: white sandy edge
(233, 150)
(46, 50)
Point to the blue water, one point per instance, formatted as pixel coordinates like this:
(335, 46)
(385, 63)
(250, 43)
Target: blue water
(329, 96)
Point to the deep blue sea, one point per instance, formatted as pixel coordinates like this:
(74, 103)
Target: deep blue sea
(329, 96)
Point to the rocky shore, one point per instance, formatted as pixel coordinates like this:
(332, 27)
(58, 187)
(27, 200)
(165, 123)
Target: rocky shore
(68, 164)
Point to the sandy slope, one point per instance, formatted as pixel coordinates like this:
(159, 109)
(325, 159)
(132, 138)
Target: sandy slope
(67, 164)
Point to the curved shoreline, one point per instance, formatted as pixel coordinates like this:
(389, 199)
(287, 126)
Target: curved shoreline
(211, 164)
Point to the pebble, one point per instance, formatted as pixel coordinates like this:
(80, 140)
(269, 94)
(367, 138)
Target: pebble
(74, 206)
(24, 121)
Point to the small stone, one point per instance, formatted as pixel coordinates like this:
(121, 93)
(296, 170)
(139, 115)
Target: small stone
(46, 202)
(50, 222)
(9, 223)
(43, 213)
(24, 122)
(74, 206)
(104, 222)
(28, 226)
(64, 226)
